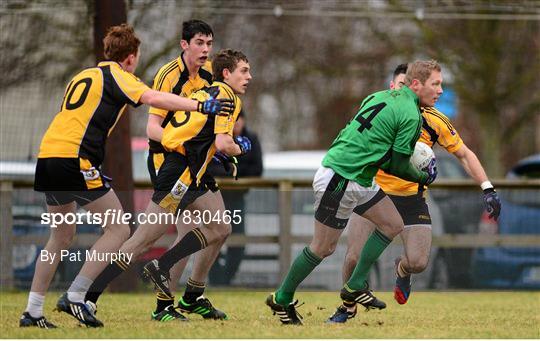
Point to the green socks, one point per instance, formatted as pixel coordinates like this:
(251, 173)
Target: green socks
(373, 248)
(302, 266)
(306, 262)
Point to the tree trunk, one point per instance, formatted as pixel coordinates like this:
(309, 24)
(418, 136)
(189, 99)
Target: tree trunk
(117, 162)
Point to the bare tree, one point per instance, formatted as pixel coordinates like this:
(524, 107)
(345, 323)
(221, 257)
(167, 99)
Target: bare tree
(310, 71)
(495, 66)
(313, 61)
(44, 42)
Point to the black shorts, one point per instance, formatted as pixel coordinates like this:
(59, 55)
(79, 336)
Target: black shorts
(174, 188)
(412, 209)
(65, 180)
(154, 162)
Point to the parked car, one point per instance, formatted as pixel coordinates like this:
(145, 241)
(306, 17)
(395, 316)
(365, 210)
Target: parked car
(512, 267)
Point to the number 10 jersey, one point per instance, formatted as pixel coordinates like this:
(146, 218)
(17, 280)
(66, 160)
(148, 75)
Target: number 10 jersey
(93, 102)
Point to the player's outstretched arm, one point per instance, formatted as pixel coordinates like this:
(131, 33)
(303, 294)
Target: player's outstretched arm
(474, 168)
(471, 164)
(167, 101)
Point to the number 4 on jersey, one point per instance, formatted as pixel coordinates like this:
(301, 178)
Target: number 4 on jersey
(365, 123)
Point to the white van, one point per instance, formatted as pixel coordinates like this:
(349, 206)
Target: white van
(292, 164)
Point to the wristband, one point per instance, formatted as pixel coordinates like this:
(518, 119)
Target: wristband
(485, 185)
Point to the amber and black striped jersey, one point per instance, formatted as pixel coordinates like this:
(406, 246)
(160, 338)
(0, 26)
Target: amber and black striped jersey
(436, 128)
(93, 102)
(174, 77)
(193, 134)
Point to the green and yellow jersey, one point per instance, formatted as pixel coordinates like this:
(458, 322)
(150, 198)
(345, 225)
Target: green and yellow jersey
(93, 103)
(387, 120)
(173, 77)
(436, 128)
(193, 134)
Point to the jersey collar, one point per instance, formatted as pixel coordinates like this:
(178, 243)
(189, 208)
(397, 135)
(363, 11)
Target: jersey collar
(224, 85)
(109, 62)
(407, 90)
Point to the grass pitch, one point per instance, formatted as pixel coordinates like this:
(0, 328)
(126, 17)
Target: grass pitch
(426, 315)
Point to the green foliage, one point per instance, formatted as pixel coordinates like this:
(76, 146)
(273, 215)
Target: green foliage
(427, 315)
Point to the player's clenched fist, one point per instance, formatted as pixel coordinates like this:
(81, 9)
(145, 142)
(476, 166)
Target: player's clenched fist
(492, 202)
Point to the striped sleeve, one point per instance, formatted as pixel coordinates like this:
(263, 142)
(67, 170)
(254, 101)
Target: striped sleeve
(162, 82)
(449, 138)
(225, 124)
(129, 84)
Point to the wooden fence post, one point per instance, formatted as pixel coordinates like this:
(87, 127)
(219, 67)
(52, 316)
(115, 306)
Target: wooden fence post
(285, 221)
(6, 237)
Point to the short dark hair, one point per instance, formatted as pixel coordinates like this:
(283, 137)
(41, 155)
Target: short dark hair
(120, 42)
(226, 59)
(191, 28)
(401, 68)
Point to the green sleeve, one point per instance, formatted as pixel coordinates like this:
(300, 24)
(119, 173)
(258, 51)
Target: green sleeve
(409, 128)
(400, 166)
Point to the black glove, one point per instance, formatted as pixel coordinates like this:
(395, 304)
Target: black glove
(214, 106)
(431, 169)
(220, 107)
(213, 91)
(492, 203)
(230, 163)
(244, 143)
